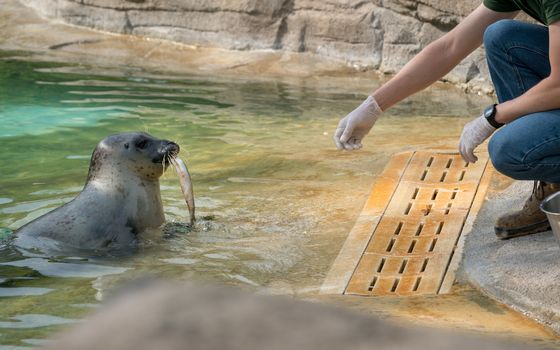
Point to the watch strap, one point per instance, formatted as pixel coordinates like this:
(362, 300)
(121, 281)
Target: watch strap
(490, 115)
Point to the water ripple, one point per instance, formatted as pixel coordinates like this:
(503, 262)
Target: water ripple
(56, 269)
(35, 321)
(23, 291)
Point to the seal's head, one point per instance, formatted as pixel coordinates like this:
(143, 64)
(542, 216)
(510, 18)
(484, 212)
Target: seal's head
(138, 152)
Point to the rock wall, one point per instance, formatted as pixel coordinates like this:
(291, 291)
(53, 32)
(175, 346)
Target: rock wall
(369, 34)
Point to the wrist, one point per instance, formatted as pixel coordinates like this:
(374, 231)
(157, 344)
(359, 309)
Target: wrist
(372, 107)
(500, 116)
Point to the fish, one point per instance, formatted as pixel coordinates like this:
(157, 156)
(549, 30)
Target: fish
(186, 185)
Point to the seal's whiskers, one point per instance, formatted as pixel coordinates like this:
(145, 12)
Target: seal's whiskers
(163, 163)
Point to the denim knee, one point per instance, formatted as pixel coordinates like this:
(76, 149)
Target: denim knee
(495, 33)
(505, 156)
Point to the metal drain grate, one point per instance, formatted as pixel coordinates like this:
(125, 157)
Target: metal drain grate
(408, 248)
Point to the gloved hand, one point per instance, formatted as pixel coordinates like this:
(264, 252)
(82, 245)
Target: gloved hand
(352, 128)
(474, 133)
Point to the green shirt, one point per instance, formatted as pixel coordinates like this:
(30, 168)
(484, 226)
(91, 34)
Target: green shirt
(544, 11)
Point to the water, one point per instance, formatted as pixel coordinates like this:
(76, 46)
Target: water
(277, 197)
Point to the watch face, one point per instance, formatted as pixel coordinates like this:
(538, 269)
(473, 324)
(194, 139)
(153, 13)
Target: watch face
(488, 111)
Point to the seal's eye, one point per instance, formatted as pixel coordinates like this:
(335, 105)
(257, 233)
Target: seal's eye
(126, 145)
(141, 144)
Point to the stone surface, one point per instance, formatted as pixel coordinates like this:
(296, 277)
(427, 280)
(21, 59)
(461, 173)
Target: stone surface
(374, 34)
(521, 272)
(22, 30)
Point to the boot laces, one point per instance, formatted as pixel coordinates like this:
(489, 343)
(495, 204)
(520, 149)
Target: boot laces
(538, 190)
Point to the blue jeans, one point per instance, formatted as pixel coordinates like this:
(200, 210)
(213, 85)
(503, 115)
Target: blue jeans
(529, 147)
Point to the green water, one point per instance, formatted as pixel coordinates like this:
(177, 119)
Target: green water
(281, 198)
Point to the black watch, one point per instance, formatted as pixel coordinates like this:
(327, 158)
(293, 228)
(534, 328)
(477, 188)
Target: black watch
(490, 115)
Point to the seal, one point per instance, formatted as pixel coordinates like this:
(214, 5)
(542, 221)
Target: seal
(120, 200)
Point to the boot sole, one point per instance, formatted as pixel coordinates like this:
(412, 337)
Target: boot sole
(505, 233)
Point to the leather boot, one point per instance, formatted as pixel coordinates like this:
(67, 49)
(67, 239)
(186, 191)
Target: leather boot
(530, 219)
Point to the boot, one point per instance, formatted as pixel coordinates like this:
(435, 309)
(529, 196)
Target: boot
(530, 219)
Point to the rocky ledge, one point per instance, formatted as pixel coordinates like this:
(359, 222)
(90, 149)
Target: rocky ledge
(371, 34)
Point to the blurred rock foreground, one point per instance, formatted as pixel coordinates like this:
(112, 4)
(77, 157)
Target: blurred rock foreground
(166, 316)
(375, 34)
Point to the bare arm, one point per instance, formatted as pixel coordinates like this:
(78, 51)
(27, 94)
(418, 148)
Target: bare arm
(431, 64)
(438, 58)
(543, 96)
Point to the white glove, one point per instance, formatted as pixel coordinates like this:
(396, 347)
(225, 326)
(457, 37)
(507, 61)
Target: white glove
(474, 133)
(352, 128)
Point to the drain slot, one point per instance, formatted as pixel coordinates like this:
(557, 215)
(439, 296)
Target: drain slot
(430, 161)
(423, 175)
(448, 165)
(434, 195)
(439, 228)
(443, 176)
(412, 245)
(454, 194)
(381, 264)
(424, 265)
(403, 266)
(462, 176)
(372, 284)
(398, 229)
(432, 245)
(395, 285)
(416, 284)
(419, 229)
(407, 210)
(390, 246)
